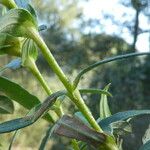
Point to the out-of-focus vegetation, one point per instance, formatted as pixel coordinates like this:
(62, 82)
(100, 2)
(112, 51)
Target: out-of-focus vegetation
(74, 49)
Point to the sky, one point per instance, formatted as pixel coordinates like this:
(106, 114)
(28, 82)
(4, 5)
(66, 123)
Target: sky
(94, 8)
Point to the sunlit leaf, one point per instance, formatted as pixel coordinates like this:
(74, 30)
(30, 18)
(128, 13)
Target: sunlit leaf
(26, 5)
(6, 105)
(9, 45)
(104, 107)
(18, 22)
(8, 3)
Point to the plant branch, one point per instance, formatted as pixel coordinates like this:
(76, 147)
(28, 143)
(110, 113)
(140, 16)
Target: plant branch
(74, 95)
(115, 58)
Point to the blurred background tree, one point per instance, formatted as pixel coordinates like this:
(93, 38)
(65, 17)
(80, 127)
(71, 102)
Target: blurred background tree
(75, 44)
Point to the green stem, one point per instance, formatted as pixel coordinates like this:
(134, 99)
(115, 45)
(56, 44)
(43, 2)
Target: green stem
(74, 95)
(9, 4)
(77, 99)
(74, 144)
(50, 59)
(38, 75)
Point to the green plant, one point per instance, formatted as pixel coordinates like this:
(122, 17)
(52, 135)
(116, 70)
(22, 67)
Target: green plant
(19, 36)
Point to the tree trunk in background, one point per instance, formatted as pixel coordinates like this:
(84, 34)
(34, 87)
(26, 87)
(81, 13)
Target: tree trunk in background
(136, 27)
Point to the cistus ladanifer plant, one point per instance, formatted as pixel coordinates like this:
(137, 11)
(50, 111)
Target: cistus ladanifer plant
(20, 37)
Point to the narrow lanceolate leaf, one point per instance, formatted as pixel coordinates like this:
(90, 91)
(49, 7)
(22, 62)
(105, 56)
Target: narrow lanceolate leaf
(72, 127)
(107, 60)
(40, 110)
(9, 45)
(45, 139)
(105, 123)
(14, 64)
(94, 91)
(19, 94)
(8, 3)
(104, 108)
(18, 22)
(31, 112)
(6, 105)
(146, 146)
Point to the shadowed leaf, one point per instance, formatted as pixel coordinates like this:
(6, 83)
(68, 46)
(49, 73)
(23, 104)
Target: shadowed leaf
(45, 139)
(9, 45)
(38, 112)
(105, 123)
(6, 105)
(19, 94)
(115, 58)
(146, 146)
(72, 127)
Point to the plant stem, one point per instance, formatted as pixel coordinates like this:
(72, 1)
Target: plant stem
(74, 144)
(38, 75)
(74, 95)
(77, 99)
(50, 59)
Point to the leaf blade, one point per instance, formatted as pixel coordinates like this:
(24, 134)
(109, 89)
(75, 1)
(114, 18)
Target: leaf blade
(6, 105)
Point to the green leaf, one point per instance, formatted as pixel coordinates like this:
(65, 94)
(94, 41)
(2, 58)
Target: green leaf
(6, 105)
(72, 127)
(13, 139)
(9, 45)
(105, 123)
(18, 22)
(121, 127)
(31, 112)
(25, 4)
(19, 94)
(29, 52)
(107, 60)
(104, 108)
(38, 112)
(45, 139)
(94, 91)
(8, 3)
(146, 146)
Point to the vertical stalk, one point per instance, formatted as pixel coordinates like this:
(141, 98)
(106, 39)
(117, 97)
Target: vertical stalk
(74, 95)
(38, 75)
